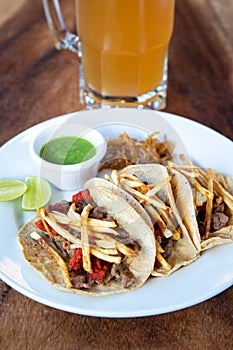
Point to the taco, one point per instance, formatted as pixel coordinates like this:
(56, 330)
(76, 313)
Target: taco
(96, 244)
(149, 184)
(205, 202)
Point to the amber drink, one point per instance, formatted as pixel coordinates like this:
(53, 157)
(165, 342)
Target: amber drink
(124, 50)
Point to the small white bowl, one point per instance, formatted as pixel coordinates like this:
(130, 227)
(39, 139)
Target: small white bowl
(68, 177)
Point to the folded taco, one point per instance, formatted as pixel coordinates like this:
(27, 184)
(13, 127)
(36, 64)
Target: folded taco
(149, 184)
(96, 244)
(205, 203)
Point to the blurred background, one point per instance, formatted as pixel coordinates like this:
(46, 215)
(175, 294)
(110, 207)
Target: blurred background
(8, 7)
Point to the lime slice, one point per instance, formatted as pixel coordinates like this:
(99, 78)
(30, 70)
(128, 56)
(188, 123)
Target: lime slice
(38, 193)
(11, 189)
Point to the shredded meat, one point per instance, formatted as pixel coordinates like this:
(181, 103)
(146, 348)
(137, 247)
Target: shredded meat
(218, 221)
(123, 274)
(62, 207)
(79, 205)
(218, 218)
(80, 283)
(100, 213)
(125, 151)
(167, 245)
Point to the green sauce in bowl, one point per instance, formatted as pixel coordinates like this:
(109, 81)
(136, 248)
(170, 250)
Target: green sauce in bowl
(67, 150)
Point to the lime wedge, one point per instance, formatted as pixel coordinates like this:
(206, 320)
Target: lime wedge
(11, 189)
(38, 193)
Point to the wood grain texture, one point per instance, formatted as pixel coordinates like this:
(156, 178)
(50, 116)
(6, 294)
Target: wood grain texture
(37, 83)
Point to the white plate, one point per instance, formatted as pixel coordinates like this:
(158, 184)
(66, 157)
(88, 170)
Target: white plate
(209, 275)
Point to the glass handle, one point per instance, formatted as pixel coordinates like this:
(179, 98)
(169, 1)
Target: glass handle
(62, 37)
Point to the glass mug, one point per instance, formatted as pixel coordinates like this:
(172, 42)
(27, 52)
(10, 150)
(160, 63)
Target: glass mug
(122, 47)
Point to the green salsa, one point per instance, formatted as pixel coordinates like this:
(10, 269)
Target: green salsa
(67, 150)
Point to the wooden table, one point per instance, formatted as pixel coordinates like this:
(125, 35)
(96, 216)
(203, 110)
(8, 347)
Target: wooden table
(37, 83)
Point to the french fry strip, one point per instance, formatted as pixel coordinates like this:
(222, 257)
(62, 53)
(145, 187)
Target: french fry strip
(109, 258)
(221, 179)
(113, 178)
(209, 203)
(91, 222)
(107, 251)
(226, 196)
(57, 257)
(201, 189)
(45, 226)
(157, 187)
(141, 196)
(160, 258)
(93, 248)
(218, 188)
(84, 239)
(76, 224)
(131, 183)
(177, 234)
(162, 226)
(108, 177)
(65, 219)
(101, 254)
(191, 174)
(171, 225)
(186, 167)
(130, 177)
(126, 250)
(59, 229)
(104, 243)
(185, 160)
(134, 182)
(120, 246)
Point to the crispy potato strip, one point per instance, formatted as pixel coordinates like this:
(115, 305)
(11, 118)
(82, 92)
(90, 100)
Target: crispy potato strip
(104, 254)
(209, 203)
(58, 228)
(57, 257)
(91, 222)
(158, 219)
(155, 188)
(84, 239)
(45, 225)
(76, 224)
(142, 192)
(160, 258)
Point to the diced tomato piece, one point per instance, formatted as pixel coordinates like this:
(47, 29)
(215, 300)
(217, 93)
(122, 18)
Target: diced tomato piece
(62, 207)
(76, 262)
(100, 268)
(41, 227)
(82, 195)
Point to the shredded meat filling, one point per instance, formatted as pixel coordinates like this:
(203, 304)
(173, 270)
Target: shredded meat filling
(125, 151)
(218, 217)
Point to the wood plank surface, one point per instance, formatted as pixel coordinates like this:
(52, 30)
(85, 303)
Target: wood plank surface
(36, 83)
